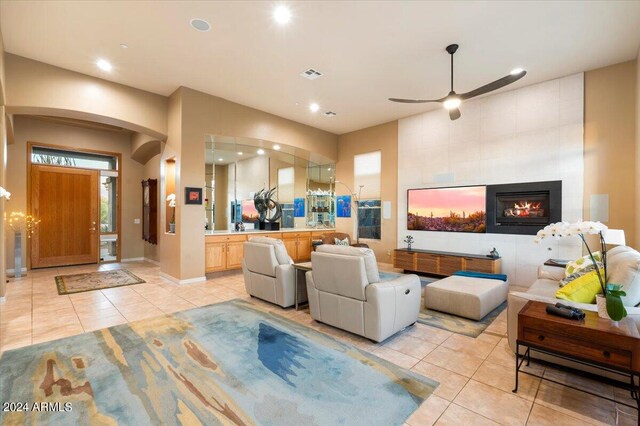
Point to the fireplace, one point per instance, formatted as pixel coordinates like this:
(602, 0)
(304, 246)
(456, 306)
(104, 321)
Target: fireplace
(523, 208)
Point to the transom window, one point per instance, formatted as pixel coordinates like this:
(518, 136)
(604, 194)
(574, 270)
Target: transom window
(83, 160)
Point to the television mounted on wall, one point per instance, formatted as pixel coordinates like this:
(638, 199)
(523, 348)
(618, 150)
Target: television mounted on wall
(450, 209)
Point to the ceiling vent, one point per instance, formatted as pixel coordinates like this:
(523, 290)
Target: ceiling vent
(311, 74)
(330, 114)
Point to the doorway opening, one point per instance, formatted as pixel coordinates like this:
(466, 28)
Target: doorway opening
(75, 193)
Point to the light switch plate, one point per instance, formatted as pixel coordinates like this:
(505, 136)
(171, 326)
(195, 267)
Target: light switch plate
(136, 221)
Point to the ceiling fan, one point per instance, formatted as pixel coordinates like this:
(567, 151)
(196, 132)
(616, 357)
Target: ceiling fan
(453, 100)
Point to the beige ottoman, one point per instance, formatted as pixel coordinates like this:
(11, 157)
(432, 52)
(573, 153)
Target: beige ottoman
(465, 296)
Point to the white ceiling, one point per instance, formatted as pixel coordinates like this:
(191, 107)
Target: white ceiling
(368, 51)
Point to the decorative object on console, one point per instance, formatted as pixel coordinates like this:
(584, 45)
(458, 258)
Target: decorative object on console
(610, 301)
(192, 195)
(171, 198)
(494, 254)
(454, 209)
(453, 100)
(409, 240)
(264, 203)
(19, 223)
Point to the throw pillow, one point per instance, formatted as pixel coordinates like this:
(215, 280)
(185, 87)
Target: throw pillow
(566, 280)
(581, 290)
(340, 242)
(582, 263)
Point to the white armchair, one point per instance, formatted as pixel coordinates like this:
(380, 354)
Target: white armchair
(345, 291)
(267, 270)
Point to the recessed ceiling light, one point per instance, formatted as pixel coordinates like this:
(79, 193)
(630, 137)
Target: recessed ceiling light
(516, 71)
(219, 159)
(282, 14)
(276, 147)
(260, 151)
(239, 152)
(104, 65)
(200, 24)
(124, 46)
(314, 107)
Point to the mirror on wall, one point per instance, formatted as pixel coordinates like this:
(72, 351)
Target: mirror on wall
(237, 168)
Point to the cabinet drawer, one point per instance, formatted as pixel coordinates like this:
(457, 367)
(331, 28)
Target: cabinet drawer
(449, 265)
(427, 263)
(571, 346)
(319, 234)
(478, 265)
(276, 235)
(404, 260)
(224, 238)
(293, 235)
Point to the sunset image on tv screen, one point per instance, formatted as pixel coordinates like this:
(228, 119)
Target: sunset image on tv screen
(447, 209)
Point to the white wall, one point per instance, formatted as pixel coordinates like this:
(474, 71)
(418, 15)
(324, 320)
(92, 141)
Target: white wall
(530, 134)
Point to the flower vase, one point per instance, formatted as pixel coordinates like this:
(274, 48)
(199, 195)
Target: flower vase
(172, 228)
(601, 302)
(408, 246)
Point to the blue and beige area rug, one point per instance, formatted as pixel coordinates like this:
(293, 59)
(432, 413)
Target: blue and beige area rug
(229, 363)
(449, 322)
(78, 283)
(456, 324)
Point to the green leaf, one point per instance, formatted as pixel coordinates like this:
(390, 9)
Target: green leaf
(615, 308)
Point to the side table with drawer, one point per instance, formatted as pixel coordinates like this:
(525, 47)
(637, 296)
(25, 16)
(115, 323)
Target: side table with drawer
(594, 341)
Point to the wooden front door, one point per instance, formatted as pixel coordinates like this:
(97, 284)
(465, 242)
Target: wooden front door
(65, 200)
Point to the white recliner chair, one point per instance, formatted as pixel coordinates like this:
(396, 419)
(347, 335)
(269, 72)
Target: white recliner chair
(268, 274)
(345, 291)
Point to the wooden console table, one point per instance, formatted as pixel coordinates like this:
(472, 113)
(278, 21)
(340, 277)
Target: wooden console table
(444, 263)
(594, 342)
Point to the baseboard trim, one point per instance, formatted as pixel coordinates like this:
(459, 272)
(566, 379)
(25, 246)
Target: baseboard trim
(155, 262)
(133, 259)
(182, 282)
(12, 270)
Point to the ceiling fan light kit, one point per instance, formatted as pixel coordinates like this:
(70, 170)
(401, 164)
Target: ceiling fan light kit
(453, 100)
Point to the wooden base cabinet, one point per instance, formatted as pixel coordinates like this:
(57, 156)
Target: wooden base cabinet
(444, 263)
(223, 252)
(298, 245)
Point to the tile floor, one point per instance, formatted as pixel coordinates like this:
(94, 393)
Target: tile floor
(476, 375)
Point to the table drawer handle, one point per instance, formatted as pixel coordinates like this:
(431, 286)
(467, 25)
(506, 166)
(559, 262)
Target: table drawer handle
(606, 354)
(541, 337)
(407, 291)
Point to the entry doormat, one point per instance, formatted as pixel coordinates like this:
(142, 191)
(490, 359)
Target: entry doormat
(227, 363)
(69, 284)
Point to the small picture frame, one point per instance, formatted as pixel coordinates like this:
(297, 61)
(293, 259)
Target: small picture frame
(192, 195)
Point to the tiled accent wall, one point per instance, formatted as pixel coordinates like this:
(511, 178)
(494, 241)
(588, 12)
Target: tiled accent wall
(530, 134)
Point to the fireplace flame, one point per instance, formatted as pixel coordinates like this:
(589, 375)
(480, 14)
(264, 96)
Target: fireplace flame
(525, 209)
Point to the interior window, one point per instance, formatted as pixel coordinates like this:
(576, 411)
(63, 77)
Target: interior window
(84, 160)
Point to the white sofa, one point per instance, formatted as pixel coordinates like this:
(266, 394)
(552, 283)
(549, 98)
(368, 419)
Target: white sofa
(267, 270)
(623, 267)
(345, 291)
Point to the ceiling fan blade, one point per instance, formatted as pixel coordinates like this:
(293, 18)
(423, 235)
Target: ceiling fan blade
(414, 101)
(495, 85)
(454, 114)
